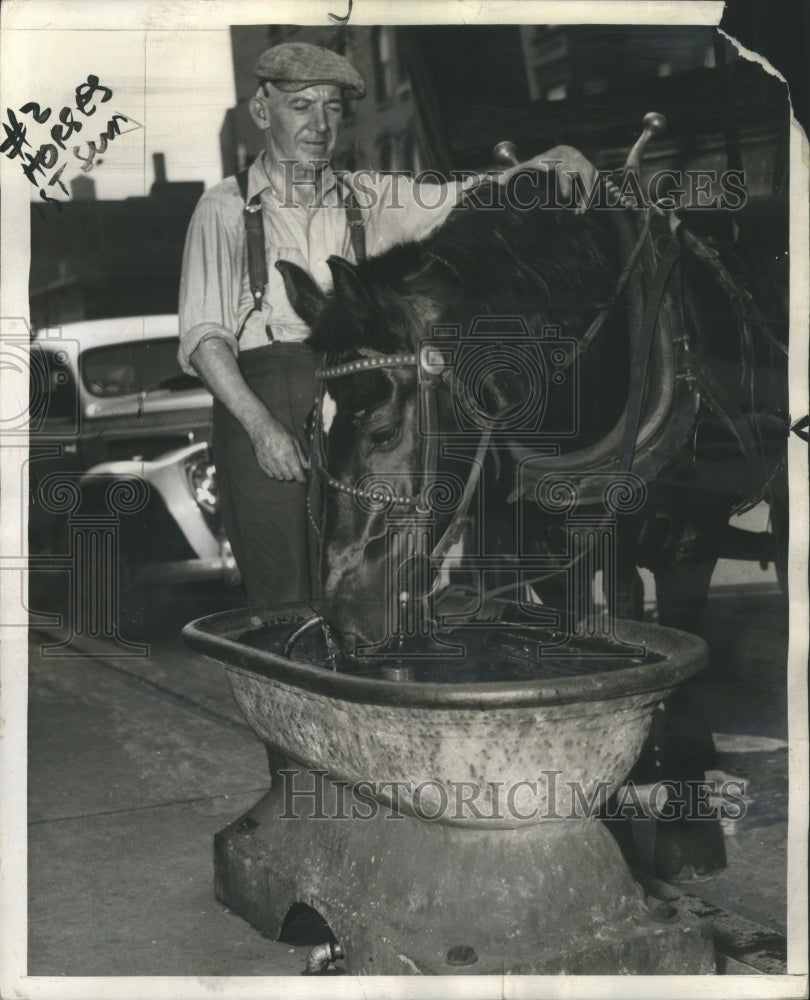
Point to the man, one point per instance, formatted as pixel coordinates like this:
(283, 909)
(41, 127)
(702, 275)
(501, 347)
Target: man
(248, 349)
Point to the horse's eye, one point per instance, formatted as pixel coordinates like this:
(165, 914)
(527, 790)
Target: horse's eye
(384, 437)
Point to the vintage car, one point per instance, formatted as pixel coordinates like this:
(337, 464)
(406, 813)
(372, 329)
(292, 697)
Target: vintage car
(109, 405)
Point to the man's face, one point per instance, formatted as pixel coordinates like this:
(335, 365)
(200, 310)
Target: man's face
(303, 125)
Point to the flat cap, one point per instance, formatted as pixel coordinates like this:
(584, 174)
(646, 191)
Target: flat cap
(298, 65)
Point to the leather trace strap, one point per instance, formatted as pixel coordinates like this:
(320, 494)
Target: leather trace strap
(641, 352)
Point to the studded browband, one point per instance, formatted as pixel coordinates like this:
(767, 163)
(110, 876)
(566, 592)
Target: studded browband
(379, 493)
(362, 364)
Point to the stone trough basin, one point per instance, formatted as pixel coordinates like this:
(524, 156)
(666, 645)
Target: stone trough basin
(434, 810)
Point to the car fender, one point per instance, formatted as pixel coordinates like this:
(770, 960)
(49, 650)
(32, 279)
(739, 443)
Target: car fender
(168, 476)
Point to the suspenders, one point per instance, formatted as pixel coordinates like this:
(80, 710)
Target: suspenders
(254, 234)
(257, 259)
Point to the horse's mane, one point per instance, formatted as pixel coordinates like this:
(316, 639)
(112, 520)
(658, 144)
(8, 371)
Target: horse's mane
(549, 266)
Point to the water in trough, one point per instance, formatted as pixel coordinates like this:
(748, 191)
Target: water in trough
(461, 654)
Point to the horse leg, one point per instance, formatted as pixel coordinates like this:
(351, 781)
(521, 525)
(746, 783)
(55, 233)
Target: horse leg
(628, 593)
(687, 747)
(679, 746)
(681, 590)
(629, 588)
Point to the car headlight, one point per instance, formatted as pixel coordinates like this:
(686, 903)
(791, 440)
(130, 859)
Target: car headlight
(202, 480)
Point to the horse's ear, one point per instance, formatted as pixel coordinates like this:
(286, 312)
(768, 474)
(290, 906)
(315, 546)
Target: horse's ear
(304, 294)
(348, 287)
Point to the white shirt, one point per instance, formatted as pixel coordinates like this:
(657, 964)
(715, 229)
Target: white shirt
(215, 293)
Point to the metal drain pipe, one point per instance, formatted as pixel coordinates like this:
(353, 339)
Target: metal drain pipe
(321, 957)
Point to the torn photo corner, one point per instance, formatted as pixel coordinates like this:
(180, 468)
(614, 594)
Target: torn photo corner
(404, 551)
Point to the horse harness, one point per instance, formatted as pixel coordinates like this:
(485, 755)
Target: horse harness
(655, 279)
(430, 381)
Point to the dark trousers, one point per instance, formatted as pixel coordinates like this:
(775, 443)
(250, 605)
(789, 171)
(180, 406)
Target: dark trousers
(266, 519)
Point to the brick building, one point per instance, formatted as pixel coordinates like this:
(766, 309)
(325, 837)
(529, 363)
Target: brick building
(98, 259)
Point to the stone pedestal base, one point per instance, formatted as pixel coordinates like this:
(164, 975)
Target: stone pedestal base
(408, 896)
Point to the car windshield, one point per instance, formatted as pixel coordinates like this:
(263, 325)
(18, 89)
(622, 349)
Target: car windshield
(138, 366)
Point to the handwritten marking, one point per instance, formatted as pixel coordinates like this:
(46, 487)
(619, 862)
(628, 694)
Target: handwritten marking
(89, 94)
(113, 129)
(345, 19)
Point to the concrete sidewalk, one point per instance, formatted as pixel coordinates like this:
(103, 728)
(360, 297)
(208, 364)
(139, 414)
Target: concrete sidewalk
(130, 776)
(134, 763)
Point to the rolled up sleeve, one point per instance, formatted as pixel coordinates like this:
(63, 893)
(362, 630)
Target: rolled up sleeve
(400, 209)
(211, 275)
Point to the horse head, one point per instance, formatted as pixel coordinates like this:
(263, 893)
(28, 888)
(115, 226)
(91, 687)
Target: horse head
(367, 440)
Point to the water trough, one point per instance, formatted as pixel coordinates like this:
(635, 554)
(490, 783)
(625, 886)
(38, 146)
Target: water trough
(425, 809)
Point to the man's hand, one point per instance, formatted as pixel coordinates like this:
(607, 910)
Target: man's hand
(571, 162)
(566, 161)
(278, 452)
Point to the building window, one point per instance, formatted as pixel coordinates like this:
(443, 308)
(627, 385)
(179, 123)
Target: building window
(403, 79)
(411, 157)
(596, 85)
(381, 54)
(556, 92)
(386, 147)
(349, 114)
(417, 160)
(665, 69)
(709, 58)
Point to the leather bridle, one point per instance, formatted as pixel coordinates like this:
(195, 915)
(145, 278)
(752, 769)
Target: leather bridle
(382, 493)
(377, 494)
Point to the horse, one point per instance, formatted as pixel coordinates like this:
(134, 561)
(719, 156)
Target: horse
(535, 281)
(413, 343)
